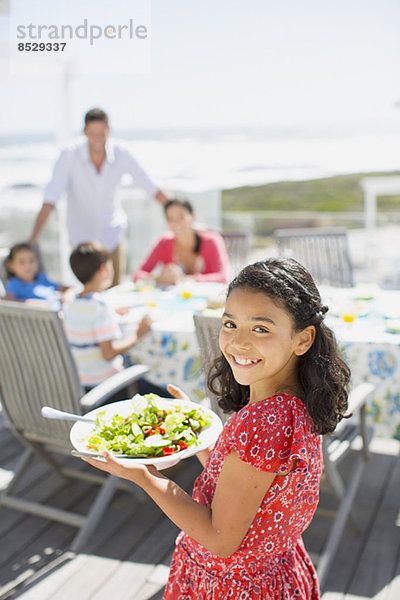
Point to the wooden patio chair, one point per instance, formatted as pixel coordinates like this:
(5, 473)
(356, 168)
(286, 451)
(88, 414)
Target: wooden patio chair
(347, 437)
(350, 435)
(207, 331)
(324, 252)
(37, 369)
(237, 247)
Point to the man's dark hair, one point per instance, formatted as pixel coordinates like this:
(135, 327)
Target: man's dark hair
(86, 259)
(96, 114)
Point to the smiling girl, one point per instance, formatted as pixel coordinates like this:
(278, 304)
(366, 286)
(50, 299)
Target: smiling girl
(281, 374)
(25, 282)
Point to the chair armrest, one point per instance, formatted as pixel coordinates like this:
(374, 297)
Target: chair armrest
(110, 386)
(357, 402)
(359, 396)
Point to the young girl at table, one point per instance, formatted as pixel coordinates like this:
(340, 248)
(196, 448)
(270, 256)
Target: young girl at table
(281, 373)
(25, 282)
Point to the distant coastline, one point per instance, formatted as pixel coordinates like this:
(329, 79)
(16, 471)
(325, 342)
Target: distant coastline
(259, 163)
(281, 132)
(340, 193)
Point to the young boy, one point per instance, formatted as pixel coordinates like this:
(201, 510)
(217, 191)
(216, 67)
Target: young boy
(91, 326)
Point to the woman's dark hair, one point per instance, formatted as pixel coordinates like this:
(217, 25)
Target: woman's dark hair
(183, 202)
(13, 252)
(323, 375)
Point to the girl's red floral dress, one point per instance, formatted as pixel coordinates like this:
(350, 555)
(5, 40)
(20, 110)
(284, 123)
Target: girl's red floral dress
(271, 562)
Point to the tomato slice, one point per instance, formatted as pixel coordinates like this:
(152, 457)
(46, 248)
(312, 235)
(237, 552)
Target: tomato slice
(183, 445)
(168, 450)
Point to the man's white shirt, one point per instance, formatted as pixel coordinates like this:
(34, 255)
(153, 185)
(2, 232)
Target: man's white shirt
(94, 211)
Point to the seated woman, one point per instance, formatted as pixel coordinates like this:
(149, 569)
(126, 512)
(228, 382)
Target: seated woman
(185, 251)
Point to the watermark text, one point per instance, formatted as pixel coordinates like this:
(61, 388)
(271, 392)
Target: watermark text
(84, 31)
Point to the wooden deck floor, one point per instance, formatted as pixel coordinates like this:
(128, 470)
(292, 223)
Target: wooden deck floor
(128, 556)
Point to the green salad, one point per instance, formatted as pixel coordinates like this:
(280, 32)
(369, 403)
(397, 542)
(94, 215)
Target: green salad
(155, 427)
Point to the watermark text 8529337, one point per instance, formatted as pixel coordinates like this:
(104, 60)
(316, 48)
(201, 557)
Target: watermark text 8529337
(41, 46)
(48, 37)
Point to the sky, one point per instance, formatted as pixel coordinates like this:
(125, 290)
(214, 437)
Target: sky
(221, 64)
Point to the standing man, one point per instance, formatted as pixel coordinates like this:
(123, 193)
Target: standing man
(90, 173)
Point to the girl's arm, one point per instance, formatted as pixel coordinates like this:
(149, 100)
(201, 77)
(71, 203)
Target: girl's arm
(203, 455)
(11, 294)
(220, 528)
(28, 301)
(10, 297)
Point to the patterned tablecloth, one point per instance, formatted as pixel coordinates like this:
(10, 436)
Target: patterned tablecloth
(361, 319)
(371, 346)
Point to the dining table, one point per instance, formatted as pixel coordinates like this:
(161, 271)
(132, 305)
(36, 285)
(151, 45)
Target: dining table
(170, 348)
(365, 320)
(366, 323)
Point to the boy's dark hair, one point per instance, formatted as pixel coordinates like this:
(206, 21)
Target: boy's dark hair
(183, 202)
(13, 251)
(86, 259)
(323, 375)
(96, 114)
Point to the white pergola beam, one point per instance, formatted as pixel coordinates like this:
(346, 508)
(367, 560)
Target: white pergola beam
(372, 188)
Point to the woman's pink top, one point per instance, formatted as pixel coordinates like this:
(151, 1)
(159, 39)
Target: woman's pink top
(214, 262)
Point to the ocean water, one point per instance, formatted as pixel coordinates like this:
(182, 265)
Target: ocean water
(196, 160)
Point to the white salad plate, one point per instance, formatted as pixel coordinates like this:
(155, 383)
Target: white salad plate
(80, 432)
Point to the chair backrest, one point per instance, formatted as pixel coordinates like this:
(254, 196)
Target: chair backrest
(237, 247)
(207, 331)
(324, 252)
(36, 369)
(3, 255)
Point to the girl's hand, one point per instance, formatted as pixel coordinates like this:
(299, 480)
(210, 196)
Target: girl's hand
(177, 392)
(132, 472)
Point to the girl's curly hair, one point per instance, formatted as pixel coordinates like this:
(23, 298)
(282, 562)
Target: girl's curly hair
(323, 375)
